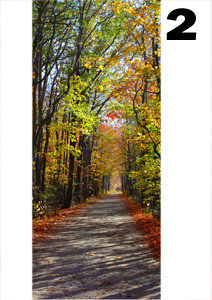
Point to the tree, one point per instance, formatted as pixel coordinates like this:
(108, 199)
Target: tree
(96, 99)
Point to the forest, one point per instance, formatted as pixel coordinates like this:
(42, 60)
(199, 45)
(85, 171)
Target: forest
(96, 102)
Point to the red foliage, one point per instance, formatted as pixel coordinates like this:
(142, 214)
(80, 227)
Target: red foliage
(42, 227)
(113, 115)
(147, 223)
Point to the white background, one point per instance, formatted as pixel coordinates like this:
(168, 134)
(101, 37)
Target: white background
(186, 154)
(16, 183)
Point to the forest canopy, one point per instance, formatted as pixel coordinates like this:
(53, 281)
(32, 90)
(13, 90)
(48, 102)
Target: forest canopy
(96, 101)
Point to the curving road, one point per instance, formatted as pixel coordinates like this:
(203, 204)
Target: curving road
(97, 254)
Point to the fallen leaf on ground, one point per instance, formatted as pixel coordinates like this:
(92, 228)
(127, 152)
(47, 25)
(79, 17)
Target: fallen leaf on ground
(144, 273)
(106, 282)
(48, 223)
(147, 224)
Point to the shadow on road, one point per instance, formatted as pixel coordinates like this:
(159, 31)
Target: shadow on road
(97, 254)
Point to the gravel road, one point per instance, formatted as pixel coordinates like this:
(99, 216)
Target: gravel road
(96, 254)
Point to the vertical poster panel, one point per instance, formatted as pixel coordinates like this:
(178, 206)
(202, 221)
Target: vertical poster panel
(96, 138)
(186, 152)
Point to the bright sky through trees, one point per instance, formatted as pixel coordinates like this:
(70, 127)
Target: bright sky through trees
(96, 101)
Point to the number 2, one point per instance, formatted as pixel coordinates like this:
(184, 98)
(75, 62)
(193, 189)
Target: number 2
(178, 32)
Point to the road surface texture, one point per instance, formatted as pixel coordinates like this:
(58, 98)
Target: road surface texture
(96, 254)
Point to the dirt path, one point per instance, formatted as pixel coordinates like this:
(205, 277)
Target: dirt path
(97, 254)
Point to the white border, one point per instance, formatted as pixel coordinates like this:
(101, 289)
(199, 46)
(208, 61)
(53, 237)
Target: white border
(16, 181)
(186, 156)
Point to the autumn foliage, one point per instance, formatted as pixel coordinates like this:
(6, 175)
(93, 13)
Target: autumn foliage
(42, 227)
(147, 224)
(96, 107)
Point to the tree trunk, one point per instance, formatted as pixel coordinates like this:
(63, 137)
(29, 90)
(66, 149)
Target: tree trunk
(44, 156)
(69, 194)
(86, 192)
(79, 172)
